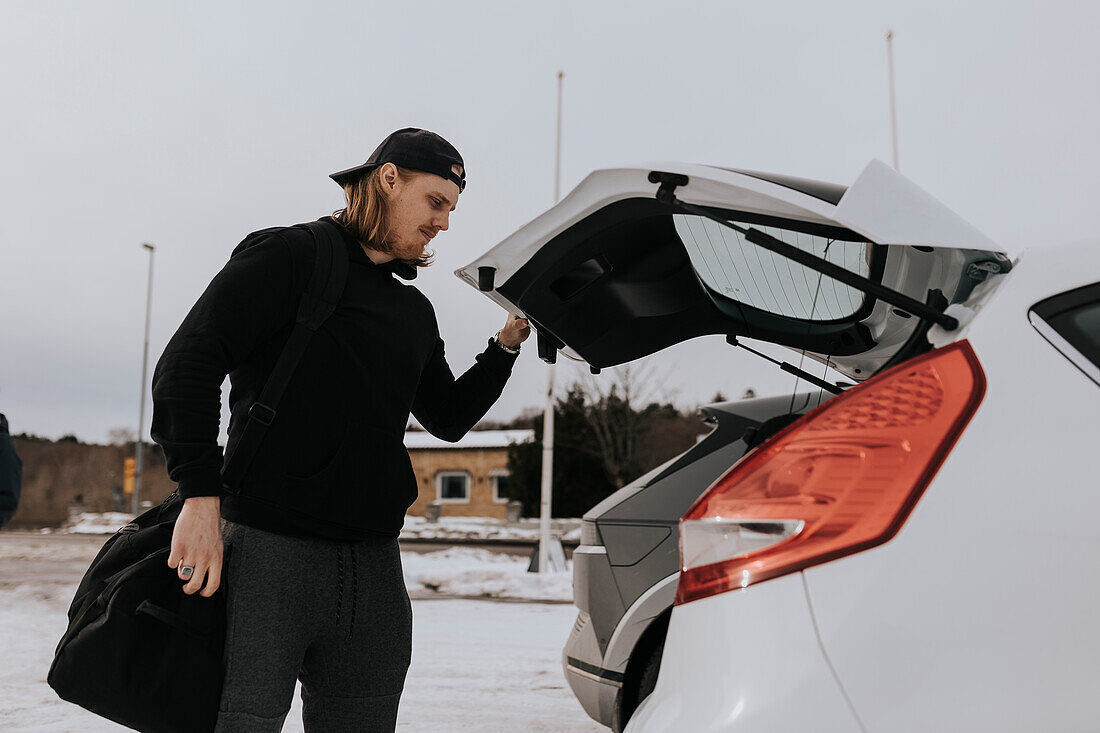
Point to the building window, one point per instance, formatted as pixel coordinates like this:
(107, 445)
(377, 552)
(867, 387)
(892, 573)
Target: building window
(452, 487)
(501, 492)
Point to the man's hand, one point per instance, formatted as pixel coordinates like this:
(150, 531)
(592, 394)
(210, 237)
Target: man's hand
(197, 543)
(515, 331)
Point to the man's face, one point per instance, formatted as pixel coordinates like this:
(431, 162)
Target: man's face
(420, 207)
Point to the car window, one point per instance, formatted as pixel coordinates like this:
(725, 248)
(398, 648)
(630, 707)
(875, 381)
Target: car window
(740, 270)
(1071, 322)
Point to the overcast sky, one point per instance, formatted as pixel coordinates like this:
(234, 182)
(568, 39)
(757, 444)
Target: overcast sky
(190, 124)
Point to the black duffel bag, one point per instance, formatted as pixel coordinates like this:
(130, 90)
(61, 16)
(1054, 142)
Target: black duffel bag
(135, 638)
(138, 650)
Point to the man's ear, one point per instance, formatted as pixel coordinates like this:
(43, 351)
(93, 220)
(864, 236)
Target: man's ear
(388, 177)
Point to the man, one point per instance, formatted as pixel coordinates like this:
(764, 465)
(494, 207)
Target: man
(315, 585)
(11, 474)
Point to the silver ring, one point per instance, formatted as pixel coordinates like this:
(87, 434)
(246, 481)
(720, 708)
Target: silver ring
(186, 570)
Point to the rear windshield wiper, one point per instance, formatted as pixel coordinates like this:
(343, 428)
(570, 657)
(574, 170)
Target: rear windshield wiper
(666, 195)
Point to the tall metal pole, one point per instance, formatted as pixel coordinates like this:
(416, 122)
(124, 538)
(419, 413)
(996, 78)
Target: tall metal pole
(144, 370)
(548, 412)
(557, 145)
(893, 104)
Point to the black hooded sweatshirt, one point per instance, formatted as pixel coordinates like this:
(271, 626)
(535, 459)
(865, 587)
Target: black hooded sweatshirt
(333, 462)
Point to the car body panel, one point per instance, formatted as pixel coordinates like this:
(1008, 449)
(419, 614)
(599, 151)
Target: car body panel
(770, 658)
(985, 595)
(888, 208)
(595, 671)
(980, 613)
(595, 592)
(628, 543)
(633, 581)
(656, 600)
(596, 689)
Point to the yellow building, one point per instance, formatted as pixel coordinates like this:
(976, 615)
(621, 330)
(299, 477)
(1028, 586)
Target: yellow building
(466, 479)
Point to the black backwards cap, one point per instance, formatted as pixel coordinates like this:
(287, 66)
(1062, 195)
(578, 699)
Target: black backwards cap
(411, 147)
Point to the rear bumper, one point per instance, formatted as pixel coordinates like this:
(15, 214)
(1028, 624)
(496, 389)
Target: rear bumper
(746, 660)
(600, 610)
(597, 689)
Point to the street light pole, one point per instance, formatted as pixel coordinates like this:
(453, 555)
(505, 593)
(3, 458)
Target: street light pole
(548, 412)
(144, 370)
(893, 104)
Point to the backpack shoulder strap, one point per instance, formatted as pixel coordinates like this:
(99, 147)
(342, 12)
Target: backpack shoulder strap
(330, 274)
(322, 295)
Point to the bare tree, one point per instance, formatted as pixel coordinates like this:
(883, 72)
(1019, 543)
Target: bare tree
(121, 436)
(615, 409)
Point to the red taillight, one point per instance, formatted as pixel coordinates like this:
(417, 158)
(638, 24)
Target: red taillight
(839, 480)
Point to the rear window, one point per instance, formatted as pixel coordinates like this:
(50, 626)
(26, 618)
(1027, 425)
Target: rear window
(738, 269)
(1071, 322)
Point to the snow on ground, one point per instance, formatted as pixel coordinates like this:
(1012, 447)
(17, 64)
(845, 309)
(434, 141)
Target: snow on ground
(484, 528)
(468, 571)
(453, 571)
(449, 528)
(478, 666)
(96, 523)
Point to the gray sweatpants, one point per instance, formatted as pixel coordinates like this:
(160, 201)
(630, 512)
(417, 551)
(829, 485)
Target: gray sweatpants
(334, 615)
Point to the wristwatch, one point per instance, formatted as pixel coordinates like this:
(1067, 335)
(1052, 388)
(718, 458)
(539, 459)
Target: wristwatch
(507, 349)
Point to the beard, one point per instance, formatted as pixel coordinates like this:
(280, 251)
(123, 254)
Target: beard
(413, 250)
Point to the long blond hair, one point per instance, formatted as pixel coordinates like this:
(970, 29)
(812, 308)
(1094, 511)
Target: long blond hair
(366, 213)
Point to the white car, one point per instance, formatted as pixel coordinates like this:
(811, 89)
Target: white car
(914, 554)
(920, 552)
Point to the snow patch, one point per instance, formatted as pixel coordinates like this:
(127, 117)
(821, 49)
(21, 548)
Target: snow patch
(485, 528)
(416, 528)
(468, 571)
(97, 523)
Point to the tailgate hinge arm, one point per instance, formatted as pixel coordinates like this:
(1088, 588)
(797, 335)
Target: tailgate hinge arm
(666, 192)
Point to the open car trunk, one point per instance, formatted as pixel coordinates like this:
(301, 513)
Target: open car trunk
(612, 274)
